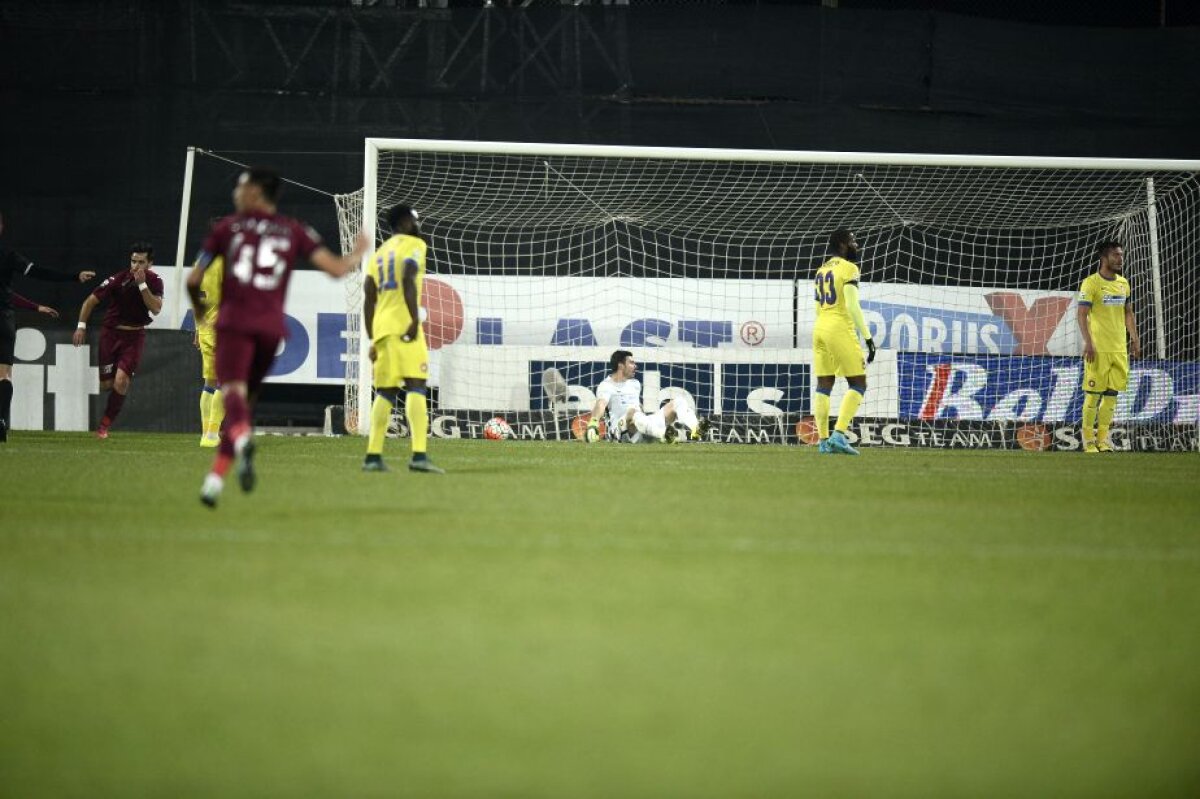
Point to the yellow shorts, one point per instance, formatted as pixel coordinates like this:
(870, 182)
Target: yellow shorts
(395, 360)
(1108, 371)
(836, 351)
(208, 355)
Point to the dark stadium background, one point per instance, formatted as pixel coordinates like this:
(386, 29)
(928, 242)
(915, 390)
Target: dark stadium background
(101, 98)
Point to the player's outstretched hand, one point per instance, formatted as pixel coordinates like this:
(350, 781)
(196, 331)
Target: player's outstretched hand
(78, 336)
(591, 433)
(870, 350)
(48, 311)
(86, 275)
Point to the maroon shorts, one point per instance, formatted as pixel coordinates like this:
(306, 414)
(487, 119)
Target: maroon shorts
(245, 357)
(120, 349)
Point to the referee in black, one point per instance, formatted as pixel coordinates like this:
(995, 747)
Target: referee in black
(13, 263)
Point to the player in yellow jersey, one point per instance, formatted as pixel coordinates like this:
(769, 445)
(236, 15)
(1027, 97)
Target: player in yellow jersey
(1105, 316)
(835, 340)
(391, 316)
(212, 406)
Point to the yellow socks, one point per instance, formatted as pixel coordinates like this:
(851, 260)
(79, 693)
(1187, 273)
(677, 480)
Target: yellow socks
(1108, 406)
(821, 412)
(850, 404)
(1091, 402)
(381, 414)
(416, 410)
(216, 413)
(206, 398)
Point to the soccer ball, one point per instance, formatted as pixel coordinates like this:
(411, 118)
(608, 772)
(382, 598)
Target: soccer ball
(497, 429)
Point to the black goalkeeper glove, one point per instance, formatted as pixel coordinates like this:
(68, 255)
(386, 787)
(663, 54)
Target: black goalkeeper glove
(870, 350)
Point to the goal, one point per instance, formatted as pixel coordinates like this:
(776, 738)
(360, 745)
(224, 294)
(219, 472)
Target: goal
(545, 258)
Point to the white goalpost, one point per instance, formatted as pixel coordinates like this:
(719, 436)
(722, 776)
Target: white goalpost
(544, 258)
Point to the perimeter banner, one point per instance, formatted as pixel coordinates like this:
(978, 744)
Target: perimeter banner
(797, 430)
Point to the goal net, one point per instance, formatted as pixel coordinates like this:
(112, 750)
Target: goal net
(544, 259)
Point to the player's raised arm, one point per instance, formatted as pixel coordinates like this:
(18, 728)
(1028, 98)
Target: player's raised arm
(340, 265)
(54, 276)
(149, 286)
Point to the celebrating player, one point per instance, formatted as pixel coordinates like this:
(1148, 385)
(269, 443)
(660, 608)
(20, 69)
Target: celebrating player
(212, 406)
(134, 294)
(260, 247)
(835, 342)
(13, 263)
(620, 396)
(391, 313)
(1105, 315)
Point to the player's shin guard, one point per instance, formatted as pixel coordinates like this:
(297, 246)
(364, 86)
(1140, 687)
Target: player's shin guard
(1104, 415)
(381, 414)
(850, 404)
(821, 413)
(416, 409)
(1091, 406)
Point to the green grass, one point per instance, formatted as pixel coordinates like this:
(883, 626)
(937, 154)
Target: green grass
(560, 620)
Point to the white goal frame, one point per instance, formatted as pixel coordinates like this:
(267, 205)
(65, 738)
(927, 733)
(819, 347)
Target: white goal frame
(374, 146)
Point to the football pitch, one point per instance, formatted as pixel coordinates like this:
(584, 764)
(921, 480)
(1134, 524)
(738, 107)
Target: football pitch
(557, 620)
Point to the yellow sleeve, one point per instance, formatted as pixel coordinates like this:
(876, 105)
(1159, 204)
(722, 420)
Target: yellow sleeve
(1087, 292)
(855, 309)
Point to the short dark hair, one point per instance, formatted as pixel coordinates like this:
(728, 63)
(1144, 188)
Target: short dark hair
(841, 236)
(617, 359)
(142, 246)
(397, 214)
(267, 180)
(1104, 247)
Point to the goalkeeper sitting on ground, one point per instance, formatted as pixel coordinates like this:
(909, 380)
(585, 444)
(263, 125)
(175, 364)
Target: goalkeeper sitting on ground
(621, 396)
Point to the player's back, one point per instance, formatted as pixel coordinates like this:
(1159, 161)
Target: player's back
(829, 291)
(260, 250)
(387, 272)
